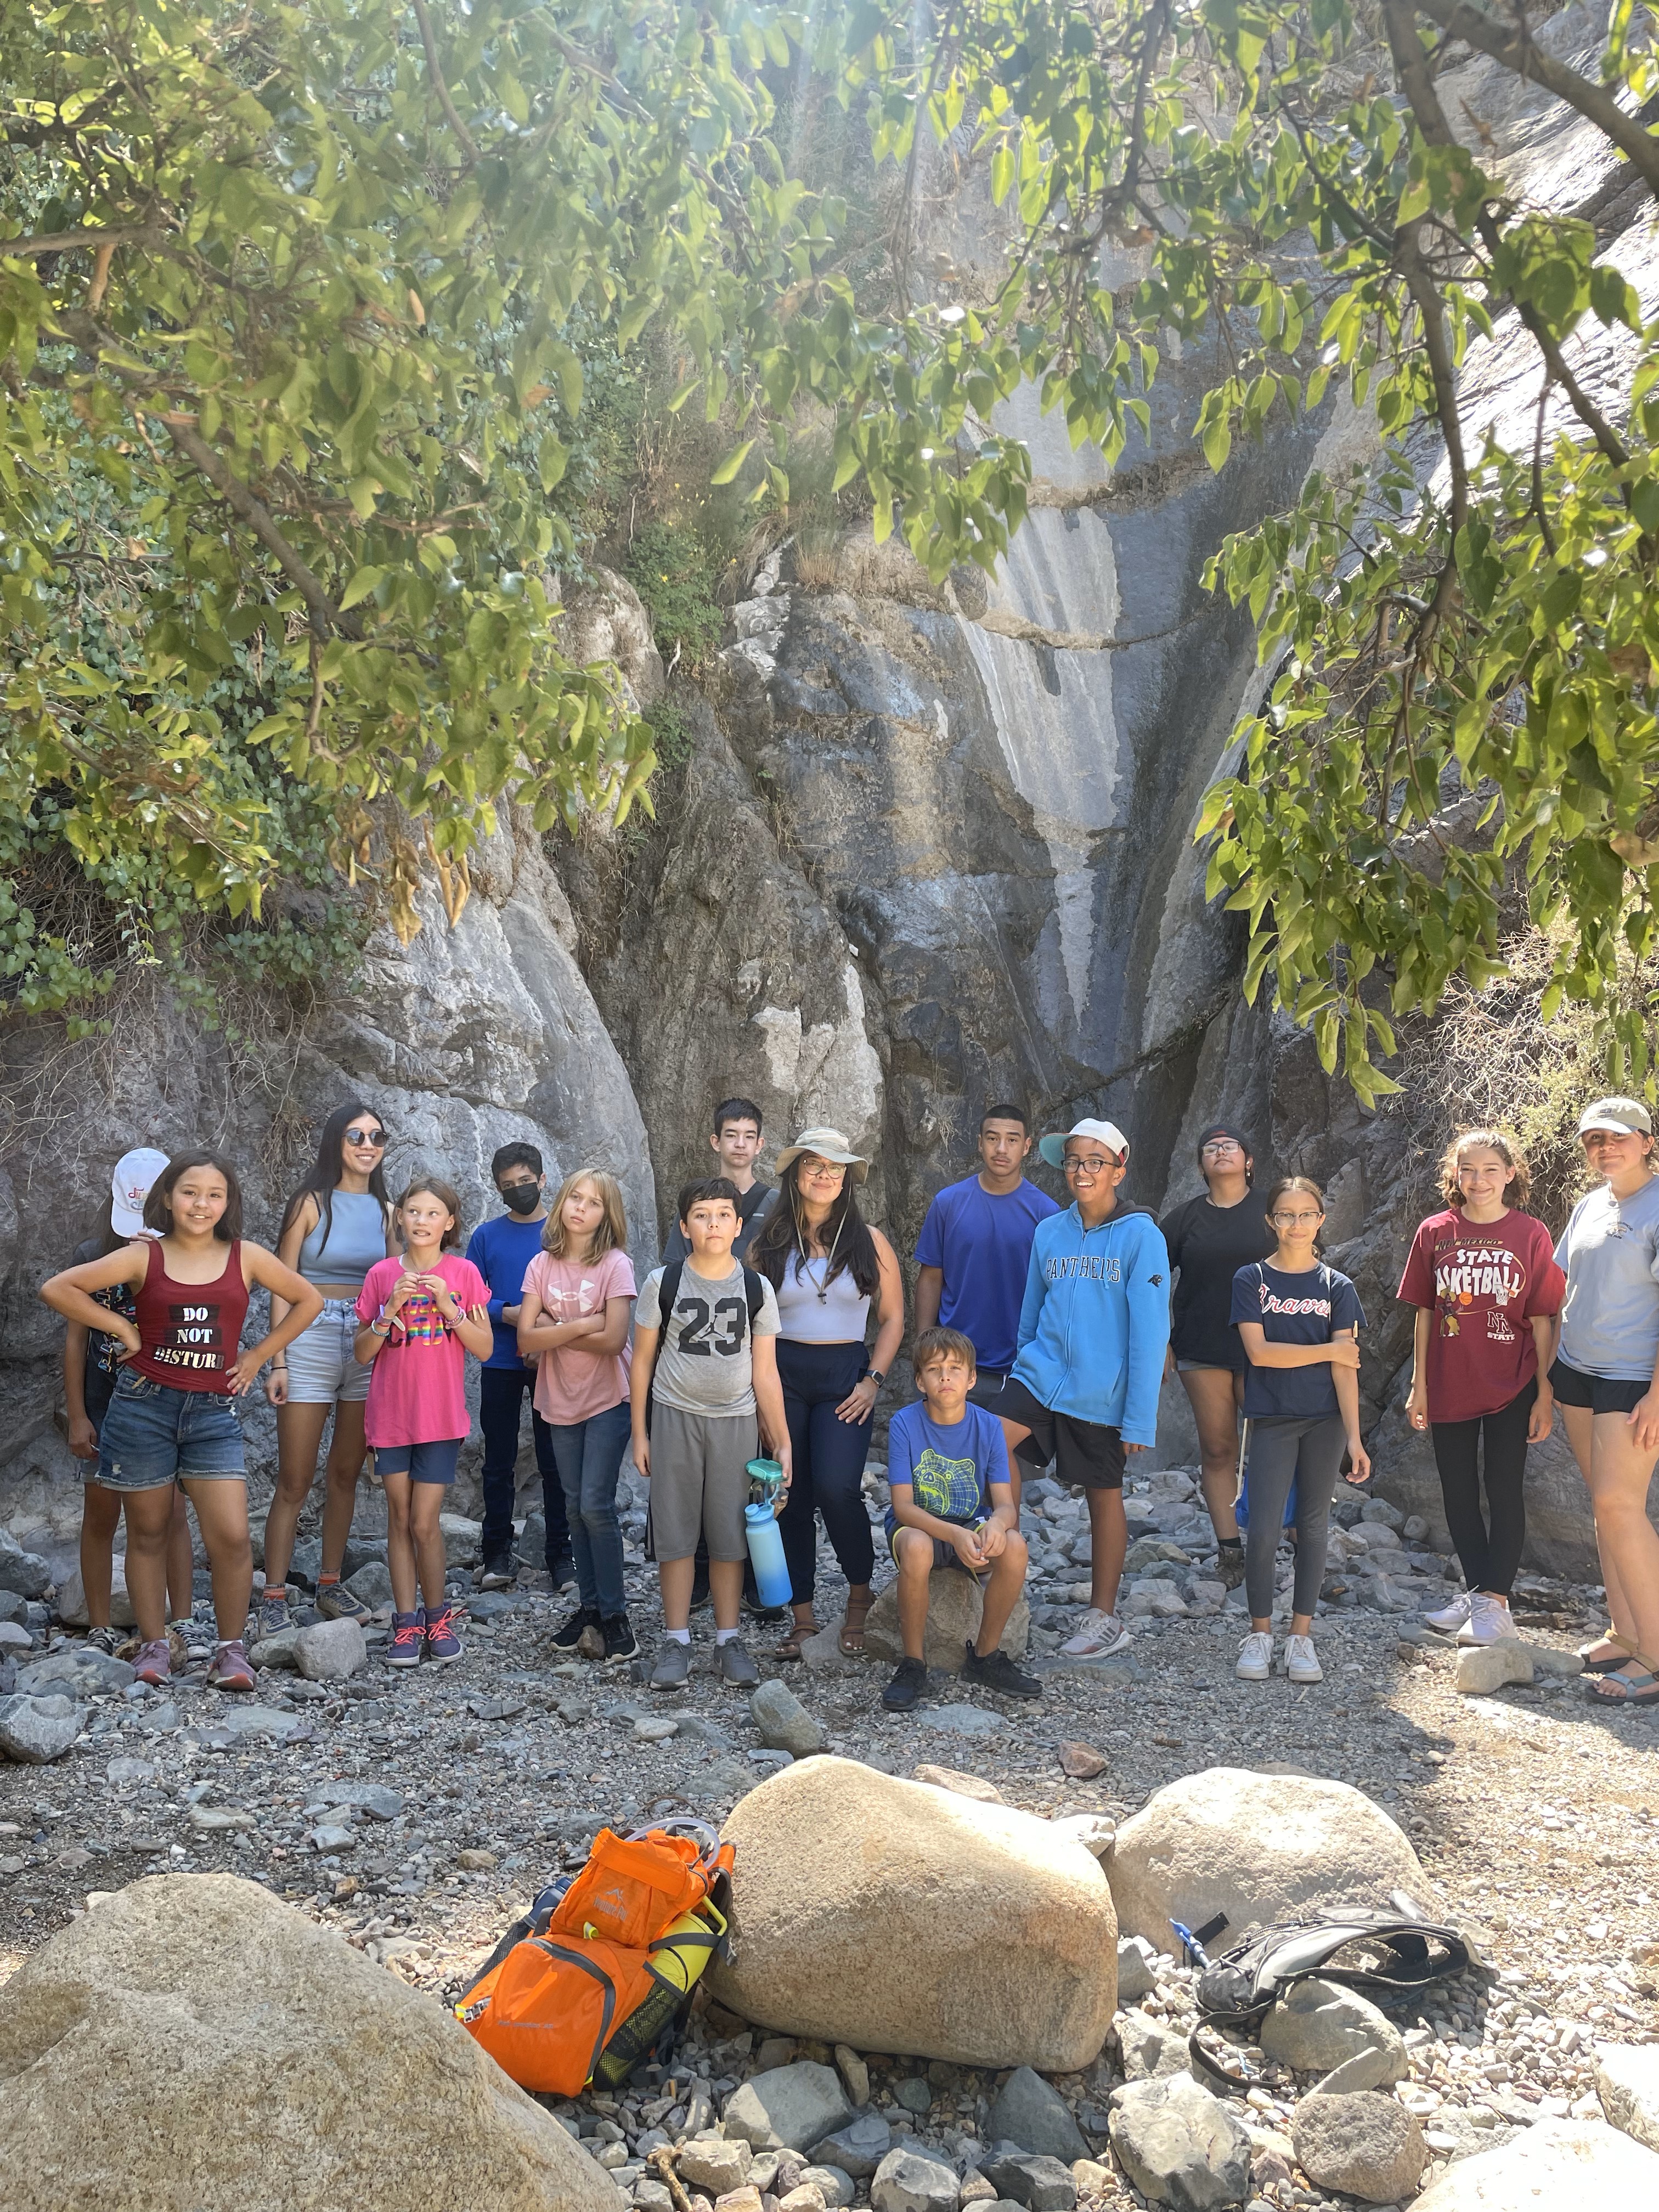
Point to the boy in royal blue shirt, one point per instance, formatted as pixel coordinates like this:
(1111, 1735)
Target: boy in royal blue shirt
(501, 1250)
(952, 1506)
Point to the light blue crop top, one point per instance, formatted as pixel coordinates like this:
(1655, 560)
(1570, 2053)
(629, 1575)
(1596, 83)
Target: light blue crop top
(356, 1240)
(814, 1311)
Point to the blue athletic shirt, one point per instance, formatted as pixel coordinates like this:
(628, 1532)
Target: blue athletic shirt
(982, 1245)
(501, 1250)
(949, 1470)
(1308, 1308)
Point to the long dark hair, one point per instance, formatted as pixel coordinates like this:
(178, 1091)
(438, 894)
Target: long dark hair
(158, 1207)
(845, 1232)
(322, 1177)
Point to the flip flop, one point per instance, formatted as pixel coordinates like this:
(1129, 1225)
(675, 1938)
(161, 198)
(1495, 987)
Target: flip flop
(1624, 1651)
(1641, 1689)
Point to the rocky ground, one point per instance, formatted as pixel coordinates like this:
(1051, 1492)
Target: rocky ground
(418, 1813)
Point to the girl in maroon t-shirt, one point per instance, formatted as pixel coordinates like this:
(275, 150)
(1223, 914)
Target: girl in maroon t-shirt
(1483, 1278)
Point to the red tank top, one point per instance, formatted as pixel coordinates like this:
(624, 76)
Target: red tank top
(189, 1333)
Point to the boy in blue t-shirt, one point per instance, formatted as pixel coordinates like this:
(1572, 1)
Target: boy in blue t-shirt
(952, 1505)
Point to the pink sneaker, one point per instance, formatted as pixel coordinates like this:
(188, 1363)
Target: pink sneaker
(442, 1644)
(154, 1663)
(231, 1668)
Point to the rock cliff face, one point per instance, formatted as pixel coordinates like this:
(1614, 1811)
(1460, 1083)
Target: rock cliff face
(930, 847)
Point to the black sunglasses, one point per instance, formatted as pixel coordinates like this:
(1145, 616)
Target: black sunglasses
(374, 1137)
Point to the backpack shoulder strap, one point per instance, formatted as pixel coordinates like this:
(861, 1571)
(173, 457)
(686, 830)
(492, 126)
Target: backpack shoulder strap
(668, 1290)
(754, 1290)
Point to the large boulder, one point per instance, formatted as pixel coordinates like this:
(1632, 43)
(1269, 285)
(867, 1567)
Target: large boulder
(319, 2082)
(955, 1609)
(1260, 1848)
(1628, 2081)
(1558, 2163)
(892, 1917)
(1367, 2146)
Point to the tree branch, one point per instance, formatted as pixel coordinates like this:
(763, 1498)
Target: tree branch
(70, 241)
(438, 85)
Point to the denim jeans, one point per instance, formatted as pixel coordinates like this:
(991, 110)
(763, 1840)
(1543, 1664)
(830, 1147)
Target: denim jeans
(501, 1407)
(152, 1434)
(589, 1455)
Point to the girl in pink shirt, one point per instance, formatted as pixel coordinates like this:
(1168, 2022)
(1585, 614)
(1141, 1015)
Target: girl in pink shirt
(578, 1302)
(421, 1316)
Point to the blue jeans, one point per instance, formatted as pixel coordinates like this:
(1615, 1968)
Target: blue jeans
(152, 1434)
(501, 1407)
(589, 1455)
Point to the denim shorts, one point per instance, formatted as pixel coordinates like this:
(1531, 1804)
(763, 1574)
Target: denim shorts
(153, 1435)
(321, 1365)
(435, 1462)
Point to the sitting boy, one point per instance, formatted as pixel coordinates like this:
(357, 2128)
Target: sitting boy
(702, 1369)
(952, 1505)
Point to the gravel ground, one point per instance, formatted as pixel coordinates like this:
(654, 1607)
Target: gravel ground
(1536, 1815)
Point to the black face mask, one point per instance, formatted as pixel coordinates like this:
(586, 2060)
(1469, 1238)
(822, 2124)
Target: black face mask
(523, 1197)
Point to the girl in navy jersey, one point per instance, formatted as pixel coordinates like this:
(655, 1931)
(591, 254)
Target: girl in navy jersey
(170, 1418)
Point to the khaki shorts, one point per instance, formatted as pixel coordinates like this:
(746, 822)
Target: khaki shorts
(700, 1482)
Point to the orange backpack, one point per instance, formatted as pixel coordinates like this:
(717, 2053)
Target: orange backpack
(584, 1988)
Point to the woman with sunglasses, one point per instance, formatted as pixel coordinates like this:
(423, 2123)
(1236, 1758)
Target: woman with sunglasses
(335, 1226)
(828, 1268)
(1210, 1238)
(1605, 1379)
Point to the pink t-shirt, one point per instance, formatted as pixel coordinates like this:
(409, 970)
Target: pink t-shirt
(572, 1384)
(416, 1393)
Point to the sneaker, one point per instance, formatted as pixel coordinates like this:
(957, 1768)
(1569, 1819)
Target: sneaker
(562, 1576)
(230, 1670)
(153, 1664)
(1450, 1617)
(106, 1640)
(620, 1641)
(1098, 1635)
(735, 1664)
(1301, 1660)
(1255, 1656)
(500, 1572)
(442, 1643)
(1229, 1565)
(195, 1640)
(1490, 1621)
(909, 1680)
(673, 1667)
(568, 1633)
(336, 1602)
(271, 1614)
(408, 1635)
(998, 1672)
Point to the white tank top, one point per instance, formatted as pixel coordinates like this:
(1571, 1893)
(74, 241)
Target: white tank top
(814, 1312)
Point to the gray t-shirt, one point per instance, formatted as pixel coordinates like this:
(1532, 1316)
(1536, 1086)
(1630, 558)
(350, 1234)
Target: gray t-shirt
(1609, 1252)
(704, 1365)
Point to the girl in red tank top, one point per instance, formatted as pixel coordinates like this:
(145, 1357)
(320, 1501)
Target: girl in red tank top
(169, 1420)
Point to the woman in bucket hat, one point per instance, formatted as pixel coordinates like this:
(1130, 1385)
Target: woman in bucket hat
(829, 1267)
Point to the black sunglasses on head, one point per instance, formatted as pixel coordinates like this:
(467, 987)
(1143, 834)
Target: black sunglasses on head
(374, 1137)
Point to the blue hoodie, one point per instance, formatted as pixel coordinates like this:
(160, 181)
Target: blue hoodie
(1095, 1323)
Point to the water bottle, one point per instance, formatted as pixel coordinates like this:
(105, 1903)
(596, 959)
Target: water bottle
(766, 1551)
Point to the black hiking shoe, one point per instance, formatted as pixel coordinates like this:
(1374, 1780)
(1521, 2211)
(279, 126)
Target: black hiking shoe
(998, 1672)
(568, 1633)
(501, 1571)
(909, 1680)
(620, 1641)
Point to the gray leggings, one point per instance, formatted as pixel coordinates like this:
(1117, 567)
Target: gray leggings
(1311, 1451)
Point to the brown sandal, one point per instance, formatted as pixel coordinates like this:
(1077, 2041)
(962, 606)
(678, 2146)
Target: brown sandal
(790, 1647)
(852, 1631)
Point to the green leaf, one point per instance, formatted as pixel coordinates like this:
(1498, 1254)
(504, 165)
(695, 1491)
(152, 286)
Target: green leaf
(733, 461)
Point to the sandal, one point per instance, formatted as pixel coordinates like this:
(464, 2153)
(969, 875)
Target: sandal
(1641, 1689)
(799, 1634)
(852, 1631)
(1624, 1651)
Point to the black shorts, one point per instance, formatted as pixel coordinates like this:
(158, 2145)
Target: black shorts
(988, 1387)
(1087, 1453)
(1602, 1394)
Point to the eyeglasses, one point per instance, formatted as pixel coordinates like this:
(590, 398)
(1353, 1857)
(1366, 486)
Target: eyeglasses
(1087, 1169)
(824, 1170)
(1220, 1150)
(375, 1139)
(1297, 1220)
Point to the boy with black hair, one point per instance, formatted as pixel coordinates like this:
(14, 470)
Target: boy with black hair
(735, 1141)
(501, 1250)
(705, 1362)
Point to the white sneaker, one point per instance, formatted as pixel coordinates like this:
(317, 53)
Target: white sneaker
(1490, 1621)
(1450, 1617)
(1302, 1660)
(1098, 1636)
(1255, 1656)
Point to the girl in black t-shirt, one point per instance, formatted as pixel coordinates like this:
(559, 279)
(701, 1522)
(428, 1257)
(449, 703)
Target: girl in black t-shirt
(1210, 1238)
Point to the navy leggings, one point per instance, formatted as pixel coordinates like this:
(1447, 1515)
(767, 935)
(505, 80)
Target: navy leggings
(829, 1458)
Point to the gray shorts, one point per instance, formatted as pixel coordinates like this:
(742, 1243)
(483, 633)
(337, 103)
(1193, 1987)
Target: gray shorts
(700, 1482)
(321, 1365)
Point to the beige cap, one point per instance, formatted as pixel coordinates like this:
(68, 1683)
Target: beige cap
(827, 1144)
(1621, 1117)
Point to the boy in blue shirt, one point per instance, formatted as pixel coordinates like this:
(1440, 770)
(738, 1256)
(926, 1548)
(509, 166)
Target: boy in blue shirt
(952, 1506)
(501, 1250)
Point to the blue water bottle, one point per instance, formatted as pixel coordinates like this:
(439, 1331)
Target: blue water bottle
(761, 1528)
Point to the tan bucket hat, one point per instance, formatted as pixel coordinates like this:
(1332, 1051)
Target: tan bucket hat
(829, 1145)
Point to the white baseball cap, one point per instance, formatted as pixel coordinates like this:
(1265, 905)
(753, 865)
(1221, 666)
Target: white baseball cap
(1620, 1117)
(1053, 1146)
(131, 1185)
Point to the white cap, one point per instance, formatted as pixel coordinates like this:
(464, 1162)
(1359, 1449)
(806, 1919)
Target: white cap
(1053, 1146)
(135, 1176)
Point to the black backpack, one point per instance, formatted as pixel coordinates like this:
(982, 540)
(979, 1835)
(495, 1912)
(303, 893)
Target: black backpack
(668, 1291)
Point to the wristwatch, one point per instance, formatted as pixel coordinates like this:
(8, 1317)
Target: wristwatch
(876, 1375)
